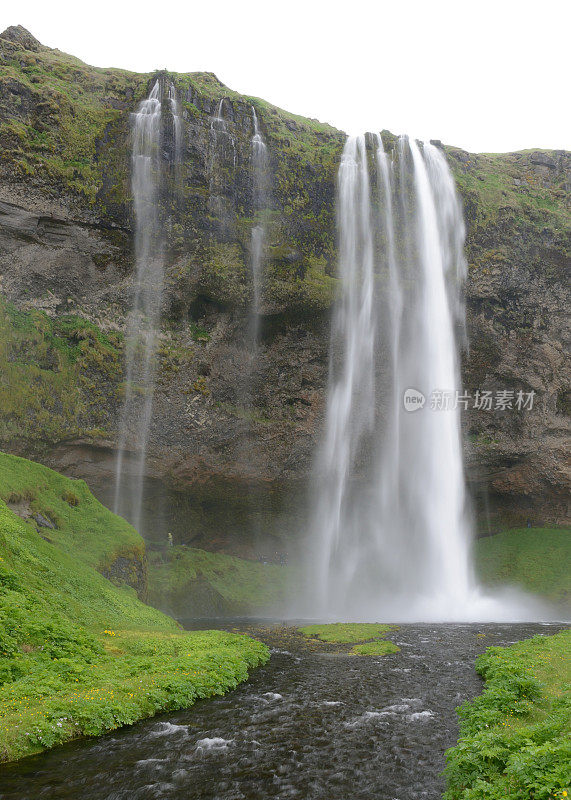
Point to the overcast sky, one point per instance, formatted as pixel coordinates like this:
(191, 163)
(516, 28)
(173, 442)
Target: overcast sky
(486, 76)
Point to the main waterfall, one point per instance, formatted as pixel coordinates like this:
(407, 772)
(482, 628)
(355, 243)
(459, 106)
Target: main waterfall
(391, 531)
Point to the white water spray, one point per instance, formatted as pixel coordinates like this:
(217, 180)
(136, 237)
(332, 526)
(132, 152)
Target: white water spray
(391, 531)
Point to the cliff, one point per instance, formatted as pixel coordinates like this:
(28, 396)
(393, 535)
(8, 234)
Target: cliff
(217, 463)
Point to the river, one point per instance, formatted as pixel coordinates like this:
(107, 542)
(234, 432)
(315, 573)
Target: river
(308, 725)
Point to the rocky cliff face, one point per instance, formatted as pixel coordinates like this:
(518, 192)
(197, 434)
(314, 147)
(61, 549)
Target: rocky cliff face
(233, 437)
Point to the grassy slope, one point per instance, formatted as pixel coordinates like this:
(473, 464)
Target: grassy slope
(489, 178)
(515, 740)
(187, 581)
(86, 530)
(79, 656)
(537, 559)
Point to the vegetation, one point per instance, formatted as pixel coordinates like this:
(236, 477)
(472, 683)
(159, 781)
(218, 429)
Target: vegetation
(81, 524)
(379, 648)
(346, 632)
(514, 738)
(184, 578)
(366, 637)
(59, 377)
(506, 184)
(537, 559)
(79, 655)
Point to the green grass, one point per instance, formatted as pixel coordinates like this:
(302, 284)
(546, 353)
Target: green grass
(380, 648)
(184, 578)
(537, 559)
(85, 527)
(346, 632)
(515, 741)
(59, 378)
(78, 655)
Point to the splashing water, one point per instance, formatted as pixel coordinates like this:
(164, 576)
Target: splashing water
(391, 533)
(143, 323)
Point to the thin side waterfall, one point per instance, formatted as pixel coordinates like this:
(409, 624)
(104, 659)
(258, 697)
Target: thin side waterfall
(177, 123)
(144, 319)
(222, 166)
(259, 181)
(391, 532)
(218, 126)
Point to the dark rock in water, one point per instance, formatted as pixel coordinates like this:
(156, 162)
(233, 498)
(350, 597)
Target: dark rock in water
(19, 35)
(43, 522)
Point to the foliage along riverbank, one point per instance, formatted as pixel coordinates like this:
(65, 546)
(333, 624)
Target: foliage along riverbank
(79, 655)
(515, 740)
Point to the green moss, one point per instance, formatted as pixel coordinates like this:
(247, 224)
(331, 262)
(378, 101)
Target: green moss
(59, 378)
(346, 632)
(79, 656)
(224, 275)
(192, 581)
(536, 559)
(381, 648)
(514, 738)
(74, 109)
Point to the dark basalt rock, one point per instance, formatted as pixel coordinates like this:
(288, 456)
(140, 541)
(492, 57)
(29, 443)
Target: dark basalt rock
(19, 35)
(43, 522)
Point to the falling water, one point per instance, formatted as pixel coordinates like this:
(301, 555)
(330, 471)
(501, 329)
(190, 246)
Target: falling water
(349, 416)
(218, 126)
(391, 532)
(259, 180)
(144, 318)
(177, 123)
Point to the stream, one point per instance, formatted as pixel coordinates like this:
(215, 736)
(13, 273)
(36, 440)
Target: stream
(307, 725)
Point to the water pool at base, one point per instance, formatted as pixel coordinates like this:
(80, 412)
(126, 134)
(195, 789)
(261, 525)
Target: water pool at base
(307, 725)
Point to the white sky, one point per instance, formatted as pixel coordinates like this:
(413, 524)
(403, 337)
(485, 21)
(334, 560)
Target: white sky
(486, 76)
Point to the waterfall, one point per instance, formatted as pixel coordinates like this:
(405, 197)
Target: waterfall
(177, 123)
(218, 126)
(221, 173)
(390, 531)
(349, 415)
(144, 319)
(259, 199)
